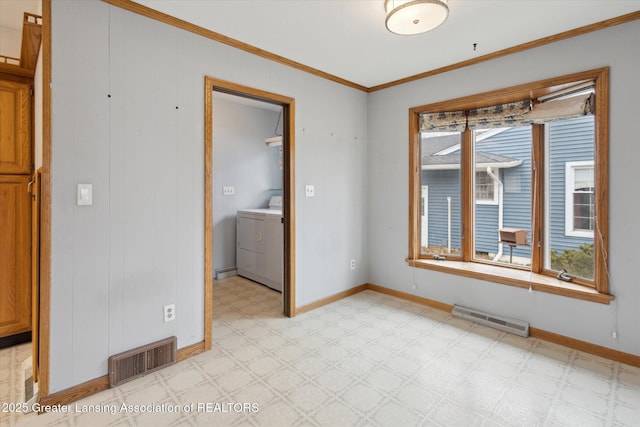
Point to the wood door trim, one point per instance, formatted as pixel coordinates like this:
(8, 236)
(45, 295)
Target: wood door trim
(288, 182)
(36, 198)
(208, 216)
(45, 225)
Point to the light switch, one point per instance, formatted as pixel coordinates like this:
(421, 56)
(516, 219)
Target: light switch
(84, 194)
(310, 190)
(228, 190)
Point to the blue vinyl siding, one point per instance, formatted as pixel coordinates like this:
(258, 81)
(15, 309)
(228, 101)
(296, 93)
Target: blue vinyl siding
(570, 141)
(487, 228)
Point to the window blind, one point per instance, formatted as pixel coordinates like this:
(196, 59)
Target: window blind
(561, 109)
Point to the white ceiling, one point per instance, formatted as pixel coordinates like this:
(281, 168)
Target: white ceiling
(348, 39)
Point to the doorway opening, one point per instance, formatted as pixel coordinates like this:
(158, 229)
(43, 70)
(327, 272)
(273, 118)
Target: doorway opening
(279, 145)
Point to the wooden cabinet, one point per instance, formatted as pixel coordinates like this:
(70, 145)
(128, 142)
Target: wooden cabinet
(15, 255)
(15, 128)
(16, 169)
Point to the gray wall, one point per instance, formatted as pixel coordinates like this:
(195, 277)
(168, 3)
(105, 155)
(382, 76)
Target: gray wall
(388, 175)
(140, 245)
(242, 160)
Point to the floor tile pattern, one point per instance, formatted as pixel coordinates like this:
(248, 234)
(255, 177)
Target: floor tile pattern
(367, 360)
(11, 359)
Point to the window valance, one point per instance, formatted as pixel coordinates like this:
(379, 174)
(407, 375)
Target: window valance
(495, 116)
(451, 121)
(508, 115)
(499, 116)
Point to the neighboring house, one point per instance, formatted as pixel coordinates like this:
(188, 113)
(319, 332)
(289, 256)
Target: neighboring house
(506, 154)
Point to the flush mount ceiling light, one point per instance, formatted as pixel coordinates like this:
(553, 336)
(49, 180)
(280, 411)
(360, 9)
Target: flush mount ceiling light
(408, 17)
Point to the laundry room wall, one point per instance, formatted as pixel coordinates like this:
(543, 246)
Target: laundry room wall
(241, 160)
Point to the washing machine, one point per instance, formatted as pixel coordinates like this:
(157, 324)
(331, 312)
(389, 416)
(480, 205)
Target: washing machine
(260, 244)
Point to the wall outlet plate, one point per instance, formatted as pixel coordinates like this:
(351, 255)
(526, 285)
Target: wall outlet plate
(169, 312)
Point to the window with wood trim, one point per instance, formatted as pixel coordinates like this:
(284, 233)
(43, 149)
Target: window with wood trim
(517, 181)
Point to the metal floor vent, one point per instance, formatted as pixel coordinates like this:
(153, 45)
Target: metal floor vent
(514, 326)
(140, 361)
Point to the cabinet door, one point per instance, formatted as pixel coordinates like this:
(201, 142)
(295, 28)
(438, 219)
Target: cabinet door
(274, 253)
(15, 128)
(15, 260)
(250, 232)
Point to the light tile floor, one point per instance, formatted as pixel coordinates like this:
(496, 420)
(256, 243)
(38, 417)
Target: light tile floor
(367, 360)
(11, 359)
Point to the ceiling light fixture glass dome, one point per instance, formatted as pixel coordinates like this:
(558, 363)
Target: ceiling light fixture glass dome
(408, 17)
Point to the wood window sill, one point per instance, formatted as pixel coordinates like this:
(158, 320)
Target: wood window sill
(513, 277)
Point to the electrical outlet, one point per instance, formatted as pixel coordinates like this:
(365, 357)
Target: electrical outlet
(353, 264)
(228, 190)
(169, 312)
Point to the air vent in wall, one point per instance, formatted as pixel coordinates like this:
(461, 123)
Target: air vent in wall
(514, 326)
(140, 361)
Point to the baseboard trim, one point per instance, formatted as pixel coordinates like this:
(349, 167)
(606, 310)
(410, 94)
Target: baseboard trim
(410, 297)
(74, 393)
(380, 289)
(587, 347)
(190, 350)
(96, 385)
(332, 298)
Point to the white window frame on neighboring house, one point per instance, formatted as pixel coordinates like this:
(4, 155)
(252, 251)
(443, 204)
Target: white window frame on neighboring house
(494, 200)
(570, 169)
